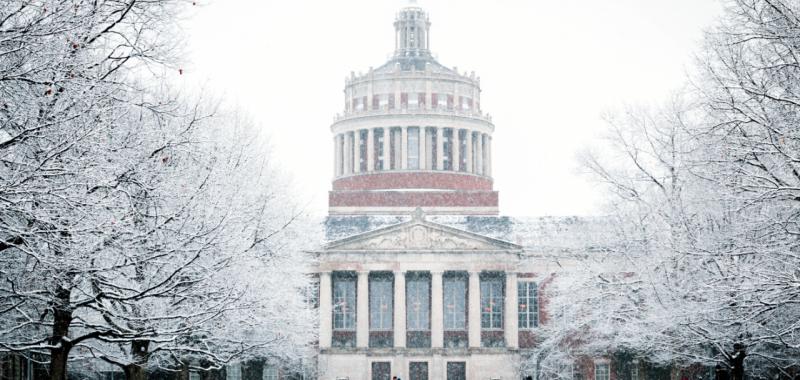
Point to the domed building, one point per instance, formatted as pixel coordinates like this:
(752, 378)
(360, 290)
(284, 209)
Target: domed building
(413, 135)
(420, 278)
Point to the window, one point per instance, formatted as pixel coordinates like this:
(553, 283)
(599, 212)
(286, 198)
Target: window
(635, 370)
(418, 320)
(233, 371)
(380, 302)
(363, 135)
(418, 288)
(270, 372)
(413, 148)
(456, 371)
(380, 163)
(527, 293)
(601, 371)
(194, 375)
(447, 146)
(344, 302)
(455, 302)
(418, 371)
(434, 101)
(381, 370)
(492, 303)
(421, 99)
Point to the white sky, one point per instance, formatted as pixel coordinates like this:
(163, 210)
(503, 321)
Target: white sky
(549, 70)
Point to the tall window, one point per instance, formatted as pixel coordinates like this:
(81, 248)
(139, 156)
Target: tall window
(380, 302)
(447, 146)
(527, 293)
(418, 317)
(380, 162)
(362, 136)
(455, 303)
(601, 371)
(233, 371)
(418, 291)
(344, 302)
(492, 303)
(270, 372)
(413, 147)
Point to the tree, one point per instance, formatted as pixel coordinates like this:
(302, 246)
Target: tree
(706, 207)
(118, 200)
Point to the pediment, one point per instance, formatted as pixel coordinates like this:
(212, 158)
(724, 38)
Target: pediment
(420, 235)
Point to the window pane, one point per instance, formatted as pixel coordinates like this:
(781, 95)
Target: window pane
(380, 303)
(528, 301)
(270, 373)
(456, 371)
(492, 303)
(344, 303)
(455, 300)
(601, 372)
(418, 371)
(418, 303)
(233, 371)
(413, 148)
(381, 370)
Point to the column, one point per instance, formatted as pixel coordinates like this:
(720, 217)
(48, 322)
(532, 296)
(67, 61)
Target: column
(423, 158)
(404, 148)
(469, 151)
(511, 311)
(456, 150)
(371, 150)
(387, 154)
(437, 310)
(479, 154)
(325, 310)
(357, 151)
(439, 148)
(474, 313)
(362, 310)
(347, 157)
(489, 155)
(399, 309)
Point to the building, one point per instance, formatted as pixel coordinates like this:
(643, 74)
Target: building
(420, 278)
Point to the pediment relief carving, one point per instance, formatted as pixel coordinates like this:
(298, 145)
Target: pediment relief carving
(419, 237)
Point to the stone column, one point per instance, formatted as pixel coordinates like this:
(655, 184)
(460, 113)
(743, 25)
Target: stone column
(437, 310)
(404, 148)
(357, 151)
(387, 154)
(423, 158)
(474, 314)
(399, 308)
(456, 150)
(325, 310)
(439, 148)
(479, 154)
(371, 150)
(348, 158)
(510, 325)
(469, 151)
(362, 310)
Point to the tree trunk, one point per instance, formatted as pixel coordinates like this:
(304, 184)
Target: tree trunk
(737, 362)
(62, 318)
(138, 369)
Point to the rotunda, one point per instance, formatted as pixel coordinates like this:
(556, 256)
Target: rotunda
(412, 135)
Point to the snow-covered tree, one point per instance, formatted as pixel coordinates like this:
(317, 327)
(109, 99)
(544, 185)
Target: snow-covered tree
(128, 211)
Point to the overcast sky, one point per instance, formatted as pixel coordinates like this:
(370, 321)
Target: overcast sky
(549, 70)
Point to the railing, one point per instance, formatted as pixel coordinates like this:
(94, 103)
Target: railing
(413, 111)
